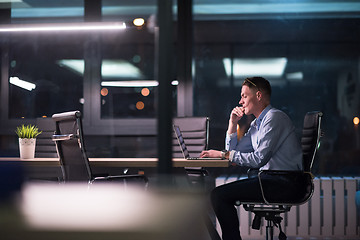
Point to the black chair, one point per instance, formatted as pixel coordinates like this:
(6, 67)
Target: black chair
(272, 206)
(195, 131)
(45, 146)
(74, 162)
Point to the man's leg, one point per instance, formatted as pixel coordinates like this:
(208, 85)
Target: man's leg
(223, 199)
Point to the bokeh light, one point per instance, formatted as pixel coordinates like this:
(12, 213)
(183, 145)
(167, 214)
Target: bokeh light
(140, 105)
(104, 92)
(356, 120)
(145, 92)
(136, 59)
(138, 22)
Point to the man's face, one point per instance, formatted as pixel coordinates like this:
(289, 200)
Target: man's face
(248, 100)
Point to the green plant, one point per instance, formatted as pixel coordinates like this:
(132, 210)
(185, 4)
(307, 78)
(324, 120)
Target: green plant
(28, 131)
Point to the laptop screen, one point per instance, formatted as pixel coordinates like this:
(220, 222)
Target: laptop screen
(181, 141)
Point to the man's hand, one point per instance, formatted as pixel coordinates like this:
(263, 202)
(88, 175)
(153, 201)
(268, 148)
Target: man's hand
(210, 154)
(236, 114)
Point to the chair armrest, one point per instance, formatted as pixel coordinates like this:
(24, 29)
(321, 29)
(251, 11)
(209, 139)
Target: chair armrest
(63, 137)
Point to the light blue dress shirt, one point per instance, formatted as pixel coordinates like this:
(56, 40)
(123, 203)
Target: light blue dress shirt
(269, 144)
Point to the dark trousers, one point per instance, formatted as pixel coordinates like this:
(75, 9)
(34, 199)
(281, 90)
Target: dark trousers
(223, 199)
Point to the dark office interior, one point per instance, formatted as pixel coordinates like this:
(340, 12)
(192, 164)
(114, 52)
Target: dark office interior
(307, 49)
(321, 71)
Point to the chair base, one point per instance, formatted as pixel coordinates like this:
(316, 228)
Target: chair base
(271, 215)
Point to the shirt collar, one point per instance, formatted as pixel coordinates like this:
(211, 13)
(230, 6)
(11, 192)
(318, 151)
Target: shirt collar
(261, 116)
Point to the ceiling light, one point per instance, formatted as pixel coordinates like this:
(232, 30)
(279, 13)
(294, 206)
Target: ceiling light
(21, 83)
(134, 83)
(295, 76)
(110, 69)
(249, 67)
(52, 27)
(276, 8)
(138, 22)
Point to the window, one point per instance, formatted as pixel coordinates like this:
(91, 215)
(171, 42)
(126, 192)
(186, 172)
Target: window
(41, 60)
(84, 71)
(314, 50)
(129, 91)
(310, 61)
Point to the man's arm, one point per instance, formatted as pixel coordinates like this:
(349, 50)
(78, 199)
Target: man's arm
(236, 114)
(272, 133)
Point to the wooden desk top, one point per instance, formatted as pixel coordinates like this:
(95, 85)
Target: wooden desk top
(124, 162)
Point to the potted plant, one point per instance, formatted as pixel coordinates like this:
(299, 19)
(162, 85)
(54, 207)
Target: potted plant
(27, 140)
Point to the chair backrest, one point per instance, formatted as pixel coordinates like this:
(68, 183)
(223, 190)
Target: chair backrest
(70, 145)
(45, 146)
(195, 131)
(310, 138)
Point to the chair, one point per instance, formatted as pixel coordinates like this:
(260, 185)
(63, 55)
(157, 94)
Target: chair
(70, 145)
(195, 131)
(272, 206)
(45, 147)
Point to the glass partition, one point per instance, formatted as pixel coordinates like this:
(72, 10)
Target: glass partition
(312, 64)
(41, 81)
(308, 50)
(128, 85)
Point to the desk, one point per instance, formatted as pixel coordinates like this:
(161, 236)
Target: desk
(122, 162)
(174, 228)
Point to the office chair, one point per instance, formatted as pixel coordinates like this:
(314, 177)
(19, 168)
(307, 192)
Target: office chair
(45, 147)
(272, 206)
(195, 131)
(74, 162)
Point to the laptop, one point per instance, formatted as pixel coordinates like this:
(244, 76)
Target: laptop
(183, 147)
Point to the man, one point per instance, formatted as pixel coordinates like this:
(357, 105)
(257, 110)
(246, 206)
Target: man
(269, 144)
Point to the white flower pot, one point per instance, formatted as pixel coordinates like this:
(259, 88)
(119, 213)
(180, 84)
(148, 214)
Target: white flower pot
(27, 148)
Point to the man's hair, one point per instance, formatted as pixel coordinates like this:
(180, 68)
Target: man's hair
(258, 83)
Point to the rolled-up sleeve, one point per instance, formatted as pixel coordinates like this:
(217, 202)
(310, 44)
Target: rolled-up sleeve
(230, 141)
